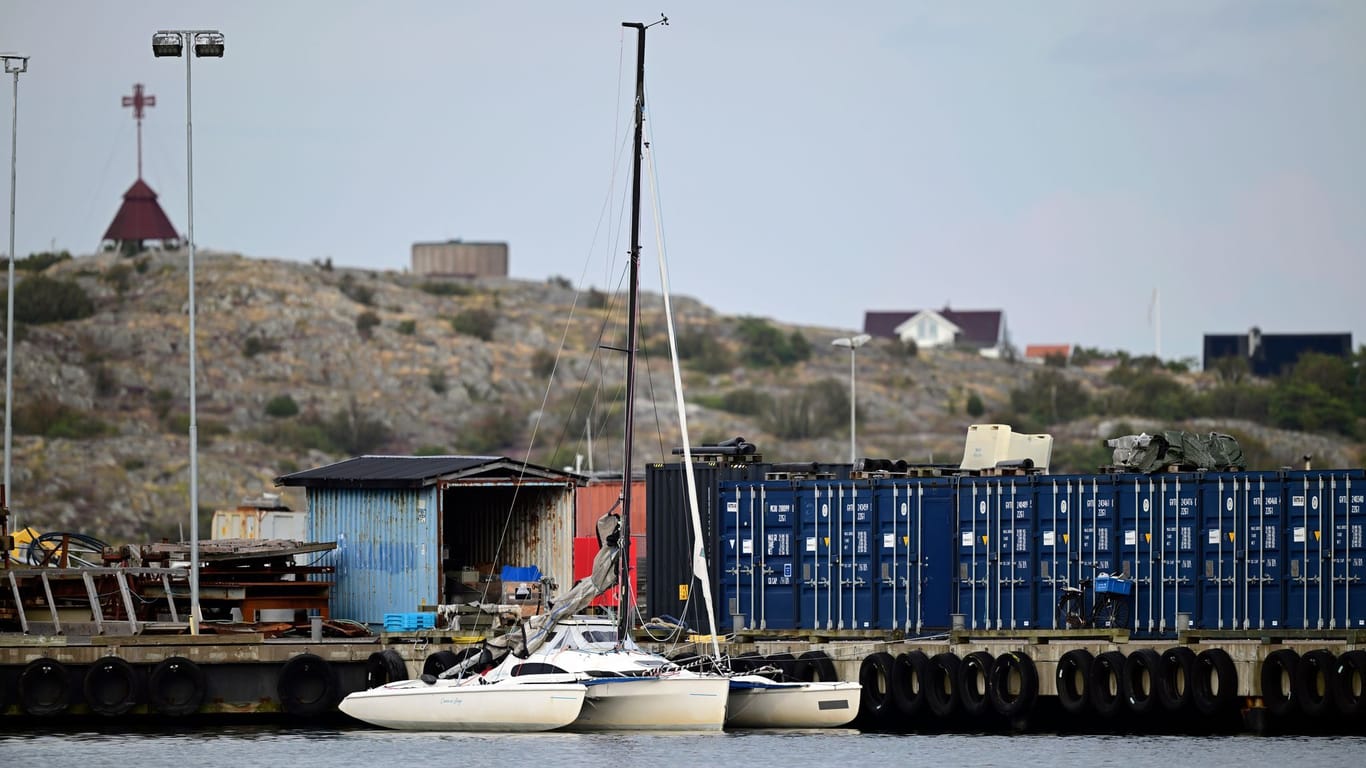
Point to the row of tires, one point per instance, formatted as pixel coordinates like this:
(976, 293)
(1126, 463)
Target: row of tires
(306, 686)
(1316, 684)
(911, 686)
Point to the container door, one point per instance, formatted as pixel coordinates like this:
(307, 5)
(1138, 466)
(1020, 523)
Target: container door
(896, 509)
(1349, 577)
(856, 556)
(1240, 564)
(975, 555)
(1309, 536)
(1326, 575)
(1059, 542)
(777, 564)
(819, 514)
(1158, 518)
(738, 506)
(1015, 578)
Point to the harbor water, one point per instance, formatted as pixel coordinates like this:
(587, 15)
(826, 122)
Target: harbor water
(248, 746)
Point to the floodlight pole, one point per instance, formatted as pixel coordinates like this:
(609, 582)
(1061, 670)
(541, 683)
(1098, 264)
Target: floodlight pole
(853, 343)
(14, 64)
(188, 40)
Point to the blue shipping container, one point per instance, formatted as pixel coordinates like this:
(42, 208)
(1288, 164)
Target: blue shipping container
(995, 553)
(758, 555)
(1324, 550)
(913, 570)
(1241, 563)
(837, 531)
(1159, 515)
(1075, 535)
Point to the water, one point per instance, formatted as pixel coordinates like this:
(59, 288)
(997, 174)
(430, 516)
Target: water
(360, 748)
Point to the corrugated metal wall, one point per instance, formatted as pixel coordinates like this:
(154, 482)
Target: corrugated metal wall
(387, 557)
(487, 525)
(596, 499)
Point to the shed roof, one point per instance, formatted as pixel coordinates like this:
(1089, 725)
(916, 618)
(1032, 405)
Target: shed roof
(417, 471)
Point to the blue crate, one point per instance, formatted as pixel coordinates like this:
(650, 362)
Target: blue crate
(1114, 585)
(409, 622)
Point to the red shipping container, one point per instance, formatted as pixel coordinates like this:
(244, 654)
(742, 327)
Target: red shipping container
(585, 549)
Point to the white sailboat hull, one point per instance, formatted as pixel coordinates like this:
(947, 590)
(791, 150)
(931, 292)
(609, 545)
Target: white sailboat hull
(756, 702)
(413, 705)
(655, 704)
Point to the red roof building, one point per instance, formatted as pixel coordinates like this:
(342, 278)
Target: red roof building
(140, 218)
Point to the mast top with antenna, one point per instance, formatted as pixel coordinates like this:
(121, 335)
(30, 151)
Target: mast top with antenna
(662, 20)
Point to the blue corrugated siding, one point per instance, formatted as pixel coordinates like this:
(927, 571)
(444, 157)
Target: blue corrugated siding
(387, 557)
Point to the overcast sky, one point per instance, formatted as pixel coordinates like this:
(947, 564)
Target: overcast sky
(1058, 160)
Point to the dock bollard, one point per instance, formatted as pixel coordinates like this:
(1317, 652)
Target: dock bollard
(316, 627)
(957, 621)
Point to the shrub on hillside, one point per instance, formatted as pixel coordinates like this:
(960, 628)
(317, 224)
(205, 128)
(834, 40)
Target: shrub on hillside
(37, 262)
(282, 407)
(766, 346)
(47, 416)
(366, 323)
(41, 299)
(478, 323)
(444, 288)
(815, 410)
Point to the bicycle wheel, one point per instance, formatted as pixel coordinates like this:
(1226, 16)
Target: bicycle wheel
(1068, 615)
(1109, 612)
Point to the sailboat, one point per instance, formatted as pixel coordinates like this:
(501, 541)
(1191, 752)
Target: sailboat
(559, 669)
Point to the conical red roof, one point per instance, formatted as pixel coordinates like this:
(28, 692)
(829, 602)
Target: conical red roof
(140, 217)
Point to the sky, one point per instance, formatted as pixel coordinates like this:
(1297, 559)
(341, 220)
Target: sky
(1064, 161)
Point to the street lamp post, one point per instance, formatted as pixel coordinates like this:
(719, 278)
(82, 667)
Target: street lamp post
(853, 343)
(172, 43)
(14, 64)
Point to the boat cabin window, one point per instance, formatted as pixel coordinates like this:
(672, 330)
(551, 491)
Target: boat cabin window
(536, 668)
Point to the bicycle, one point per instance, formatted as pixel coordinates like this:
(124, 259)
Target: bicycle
(1109, 607)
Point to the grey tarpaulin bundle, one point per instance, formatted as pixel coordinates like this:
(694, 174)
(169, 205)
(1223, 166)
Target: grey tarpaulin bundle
(1186, 450)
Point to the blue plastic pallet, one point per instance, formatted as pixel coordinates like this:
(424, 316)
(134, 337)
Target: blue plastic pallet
(408, 622)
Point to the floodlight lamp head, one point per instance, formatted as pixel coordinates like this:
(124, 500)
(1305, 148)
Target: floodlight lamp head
(14, 63)
(208, 44)
(166, 43)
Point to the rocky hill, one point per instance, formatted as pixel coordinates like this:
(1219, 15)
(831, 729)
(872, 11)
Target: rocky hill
(301, 364)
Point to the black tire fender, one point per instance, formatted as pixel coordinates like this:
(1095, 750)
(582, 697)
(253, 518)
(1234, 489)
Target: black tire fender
(1104, 685)
(176, 687)
(823, 665)
(974, 682)
(111, 686)
(910, 672)
(439, 662)
(941, 691)
(1216, 681)
(1014, 684)
(384, 667)
(1176, 679)
(1139, 682)
(1278, 681)
(1350, 683)
(875, 675)
(1073, 679)
(785, 663)
(307, 686)
(1315, 684)
(44, 687)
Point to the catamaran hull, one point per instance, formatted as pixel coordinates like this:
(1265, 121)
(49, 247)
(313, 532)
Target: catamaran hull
(793, 705)
(415, 706)
(654, 704)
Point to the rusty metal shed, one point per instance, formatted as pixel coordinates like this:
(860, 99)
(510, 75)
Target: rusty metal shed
(408, 527)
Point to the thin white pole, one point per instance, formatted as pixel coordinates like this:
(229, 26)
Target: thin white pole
(9, 310)
(195, 616)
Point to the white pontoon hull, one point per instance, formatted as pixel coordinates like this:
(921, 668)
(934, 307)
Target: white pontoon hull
(654, 704)
(757, 702)
(413, 705)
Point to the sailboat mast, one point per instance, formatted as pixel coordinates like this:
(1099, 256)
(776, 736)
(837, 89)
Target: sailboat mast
(627, 599)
